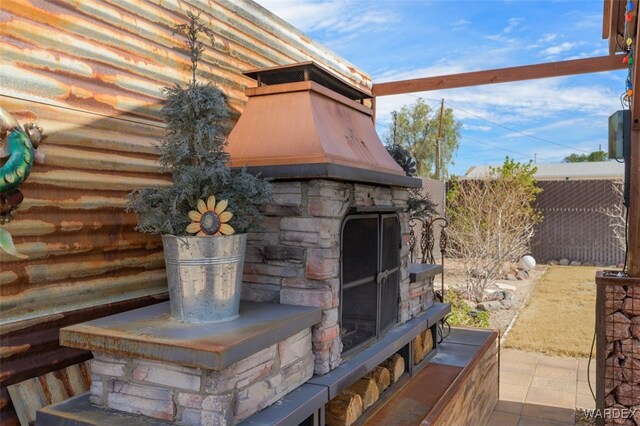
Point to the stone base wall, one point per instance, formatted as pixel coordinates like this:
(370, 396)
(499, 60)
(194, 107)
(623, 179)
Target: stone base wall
(296, 259)
(621, 332)
(192, 396)
(421, 297)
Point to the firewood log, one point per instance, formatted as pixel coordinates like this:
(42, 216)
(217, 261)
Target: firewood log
(344, 409)
(368, 391)
(395, 365)
(427, 342)
(417, 349)
(381, 376)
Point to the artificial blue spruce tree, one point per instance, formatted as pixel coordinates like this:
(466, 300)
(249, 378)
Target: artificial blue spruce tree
(192, 150)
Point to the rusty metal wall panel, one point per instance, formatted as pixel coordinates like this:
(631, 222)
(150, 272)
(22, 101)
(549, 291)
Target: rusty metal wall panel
(574, 225)
(91, 72)
(32, 394)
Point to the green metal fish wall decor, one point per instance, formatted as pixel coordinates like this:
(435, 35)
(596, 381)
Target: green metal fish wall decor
(18, 148)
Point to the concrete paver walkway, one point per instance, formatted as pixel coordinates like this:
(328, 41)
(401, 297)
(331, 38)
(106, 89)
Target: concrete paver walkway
(537, 389)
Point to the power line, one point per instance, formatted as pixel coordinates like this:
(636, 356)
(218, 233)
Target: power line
(497, 147)
(518, 131)
(502, 126)
(480, 142)
(532, 157)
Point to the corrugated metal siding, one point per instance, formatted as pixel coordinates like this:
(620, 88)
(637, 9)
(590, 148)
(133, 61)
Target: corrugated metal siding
(91, 72)
(33, 394)
(574, 225)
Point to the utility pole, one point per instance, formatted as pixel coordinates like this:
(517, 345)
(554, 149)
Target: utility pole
(438, 141)
(394, 114)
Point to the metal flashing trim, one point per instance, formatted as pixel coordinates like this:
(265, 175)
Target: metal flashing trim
(375, 209)
(436, 312)
(293, 408)
(309, 86)
(334, 172)
(468, 336)
(422, 271)
(308, 71)
(78, 411)
(458, 354)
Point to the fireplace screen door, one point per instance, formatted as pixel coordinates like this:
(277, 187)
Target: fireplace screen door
(370, 277)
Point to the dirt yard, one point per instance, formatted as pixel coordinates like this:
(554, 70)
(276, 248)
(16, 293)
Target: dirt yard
(553, 308)
(559, 317)
(501, 318)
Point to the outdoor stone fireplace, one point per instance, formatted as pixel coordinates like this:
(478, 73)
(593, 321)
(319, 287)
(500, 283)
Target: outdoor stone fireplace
(298, 260)
(327, 281)
(336, 234)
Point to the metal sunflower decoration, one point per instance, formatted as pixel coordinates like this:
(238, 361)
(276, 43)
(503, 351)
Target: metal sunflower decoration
(210, 218)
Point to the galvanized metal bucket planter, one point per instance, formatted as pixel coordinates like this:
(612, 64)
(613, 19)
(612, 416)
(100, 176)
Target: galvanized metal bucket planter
(204, 276)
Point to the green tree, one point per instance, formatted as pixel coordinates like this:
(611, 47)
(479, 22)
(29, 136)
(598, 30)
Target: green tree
(584, 158)
(416, 129)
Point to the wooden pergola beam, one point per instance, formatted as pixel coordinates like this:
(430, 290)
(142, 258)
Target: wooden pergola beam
(501, 75)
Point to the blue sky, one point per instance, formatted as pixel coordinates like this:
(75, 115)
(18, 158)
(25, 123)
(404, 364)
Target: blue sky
(398, 39)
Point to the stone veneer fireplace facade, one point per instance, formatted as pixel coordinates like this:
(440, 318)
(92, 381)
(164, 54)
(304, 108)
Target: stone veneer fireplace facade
(296, 258)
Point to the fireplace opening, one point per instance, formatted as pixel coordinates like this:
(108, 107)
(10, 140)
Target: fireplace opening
(370, 277)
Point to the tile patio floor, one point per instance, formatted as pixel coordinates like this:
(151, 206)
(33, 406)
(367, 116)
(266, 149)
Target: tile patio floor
(537, 389)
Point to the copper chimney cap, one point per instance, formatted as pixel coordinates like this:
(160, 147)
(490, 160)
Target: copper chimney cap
(303, 121)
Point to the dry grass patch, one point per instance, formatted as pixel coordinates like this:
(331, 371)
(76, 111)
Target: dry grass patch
(559, 316)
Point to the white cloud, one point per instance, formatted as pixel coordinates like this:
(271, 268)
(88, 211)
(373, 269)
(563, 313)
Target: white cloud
(442, 68)
(338, 16)
(476, 128)
(547, 38)
(582, 21)
(558, 49)
(512, 24)
(460, 24)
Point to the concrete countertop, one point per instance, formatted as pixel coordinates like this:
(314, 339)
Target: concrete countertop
(150, 333)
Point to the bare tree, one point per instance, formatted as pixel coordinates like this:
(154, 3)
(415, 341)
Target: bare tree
(617, 216)
(491, 222)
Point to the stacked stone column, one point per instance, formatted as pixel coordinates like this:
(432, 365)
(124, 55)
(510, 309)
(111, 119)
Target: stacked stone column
(619, 350)
(296, 258)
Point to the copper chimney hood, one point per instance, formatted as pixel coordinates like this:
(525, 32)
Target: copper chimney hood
(302, 122)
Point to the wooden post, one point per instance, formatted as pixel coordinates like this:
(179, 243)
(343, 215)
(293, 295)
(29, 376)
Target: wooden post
(633, 221)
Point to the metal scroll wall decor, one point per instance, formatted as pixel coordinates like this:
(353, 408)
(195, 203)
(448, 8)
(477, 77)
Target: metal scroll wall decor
(428, 230)
(17, 155)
